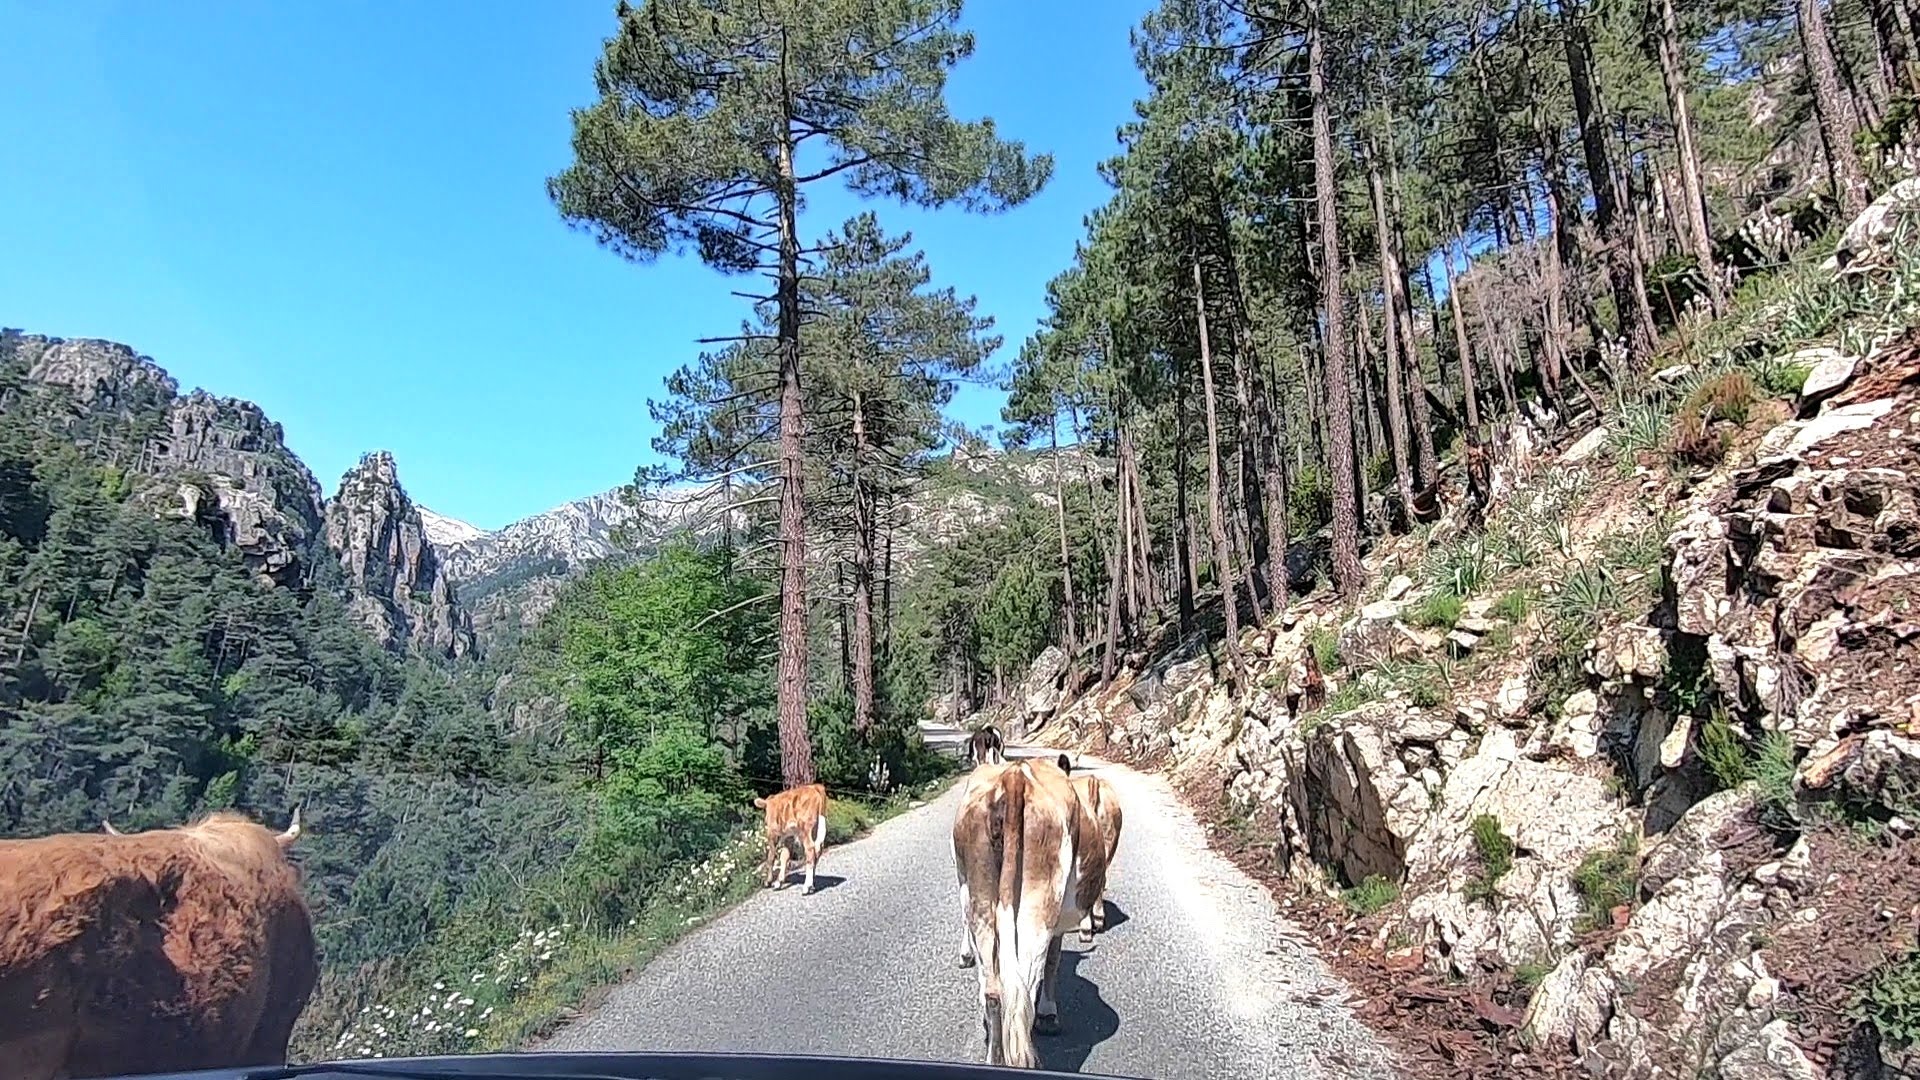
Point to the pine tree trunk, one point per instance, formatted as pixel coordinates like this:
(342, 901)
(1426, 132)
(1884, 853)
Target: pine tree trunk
(1347, 572)
(1399, 445)
(886, 587)
(1143, 539)
(1837, 128)
(1692, 193)
(1216, 513)
(1616, 233)
(1555, 257)
(1426, 460)
(1066, 552)
(1469, 390)
(1275, 478)
(796, 750)
(863, 530)
(1189, 581)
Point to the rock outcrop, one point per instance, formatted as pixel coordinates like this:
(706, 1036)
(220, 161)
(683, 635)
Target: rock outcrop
(395, 583)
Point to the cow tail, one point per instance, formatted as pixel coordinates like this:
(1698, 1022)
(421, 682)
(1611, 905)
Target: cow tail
(1017, 995)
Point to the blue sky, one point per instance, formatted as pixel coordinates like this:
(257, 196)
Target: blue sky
(338, 211)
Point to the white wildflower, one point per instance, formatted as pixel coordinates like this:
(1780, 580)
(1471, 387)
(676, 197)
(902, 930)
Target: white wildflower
(488, 1013)
(472, 1032)
(439, 986)
(466, 1003)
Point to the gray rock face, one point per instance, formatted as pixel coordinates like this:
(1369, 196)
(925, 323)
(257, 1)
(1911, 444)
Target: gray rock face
(395, 583)
(269, 503)
(101, 375)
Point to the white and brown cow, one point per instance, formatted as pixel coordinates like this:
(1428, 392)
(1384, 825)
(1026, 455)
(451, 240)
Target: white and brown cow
(1031, 864)
(796, 815)
(1099, 799)
(984, 747)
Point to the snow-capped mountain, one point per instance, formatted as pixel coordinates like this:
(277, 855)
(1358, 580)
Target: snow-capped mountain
(445, 531)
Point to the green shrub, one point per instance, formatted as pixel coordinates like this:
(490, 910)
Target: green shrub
(1512, 605)
(1462, 569)
(847, 819)
(1325, 643)
(1371, 895)
(1724, 752)
(1495, 849)
(1607, 879)
(1531, 973)
(1587, 594)
(1439, 610)
(1779, 376)
(1774, 763)
(1639, 428)
(1890, 1001)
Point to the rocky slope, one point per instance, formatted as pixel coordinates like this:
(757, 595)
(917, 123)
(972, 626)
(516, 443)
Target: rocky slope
(1622, 784)
(222, 460)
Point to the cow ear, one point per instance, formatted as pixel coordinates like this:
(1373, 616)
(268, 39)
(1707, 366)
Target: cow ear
(286, 839)
(1066, 764)
(111, 831)
(759, 802)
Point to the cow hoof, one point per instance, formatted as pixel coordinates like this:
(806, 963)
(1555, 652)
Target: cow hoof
(966, 961)
(1046, 1025)
(1086, 937)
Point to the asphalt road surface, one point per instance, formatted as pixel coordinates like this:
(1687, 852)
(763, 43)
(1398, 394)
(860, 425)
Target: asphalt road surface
(1197, 975)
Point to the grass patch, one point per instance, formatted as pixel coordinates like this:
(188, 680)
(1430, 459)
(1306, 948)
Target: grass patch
(1774, 760)
(1781, 377)
(1588, 593)
(1325, 643)
(1513, 605)
(1531, 973)
(1371, 895)
(1495, 849)
(1724, 752)
(1608, 878)
(1439, 611)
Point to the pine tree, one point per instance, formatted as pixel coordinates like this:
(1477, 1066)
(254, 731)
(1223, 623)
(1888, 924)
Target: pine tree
(714, 118)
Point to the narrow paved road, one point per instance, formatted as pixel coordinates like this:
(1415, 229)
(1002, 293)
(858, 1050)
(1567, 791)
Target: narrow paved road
(1197, 975)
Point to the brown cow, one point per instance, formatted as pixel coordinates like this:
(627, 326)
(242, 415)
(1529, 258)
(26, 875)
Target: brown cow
(1099, 799)
(797, 814)
(162, 951)
(1031, 864)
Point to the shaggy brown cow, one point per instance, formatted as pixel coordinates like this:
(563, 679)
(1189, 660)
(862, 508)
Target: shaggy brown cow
(797, 814)
(163, 951)
(1031, 865)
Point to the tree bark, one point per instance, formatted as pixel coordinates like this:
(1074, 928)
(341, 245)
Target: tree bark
(1837, 127)
(1347, 572)
(1469, 391)
(1426, 460)
(1630, 300)
(1398, 443)
(863, 529)
(1189, 583)
(1216, 513)
(796, 750)
(1555, 257)
(1066, 552)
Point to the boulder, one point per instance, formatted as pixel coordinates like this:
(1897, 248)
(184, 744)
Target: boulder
(1867, 243)
(1828, 370)
(1584, 447)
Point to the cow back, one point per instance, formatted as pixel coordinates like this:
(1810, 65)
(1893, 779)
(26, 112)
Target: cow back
(172, 949)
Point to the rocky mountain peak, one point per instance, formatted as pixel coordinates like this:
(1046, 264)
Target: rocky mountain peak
(395, 583)
(99, 374)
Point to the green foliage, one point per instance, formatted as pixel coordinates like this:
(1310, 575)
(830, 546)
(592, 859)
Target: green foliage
(1531, 973)
(1325, 643)
(1587, 593)
(1890, 1001)
(1606, 879)
(1724, 752)
(1639, 428)
(1775, 760)
(1462, 568)
(1779, 376)
(1371, 895)
(1493, 845)
(1513, 605)
(1439, 610)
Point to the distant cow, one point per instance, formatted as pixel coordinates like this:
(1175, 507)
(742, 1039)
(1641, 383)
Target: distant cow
(1099, 799)
(798, 815)
(985, 748)
(162, 951)
(1031, 864)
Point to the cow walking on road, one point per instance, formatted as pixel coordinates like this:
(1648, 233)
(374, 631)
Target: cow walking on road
(799, 816)
(163, 951)
(984, 747)
(1101, 802)
(1031, 864)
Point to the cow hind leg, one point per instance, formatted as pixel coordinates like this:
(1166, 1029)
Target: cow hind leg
(1046, 1015)
(813, 843)
(1087, 928)
(966, 926)
(781, 866)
